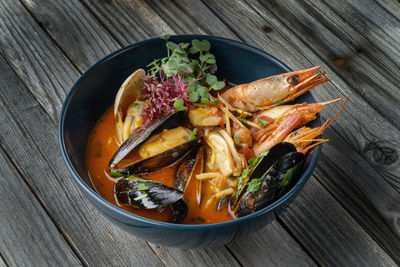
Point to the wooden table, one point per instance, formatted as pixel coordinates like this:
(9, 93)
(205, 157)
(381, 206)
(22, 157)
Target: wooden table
(347, 214)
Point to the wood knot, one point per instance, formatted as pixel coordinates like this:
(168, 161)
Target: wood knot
(266, 29)
(382, 153)
(339, 62)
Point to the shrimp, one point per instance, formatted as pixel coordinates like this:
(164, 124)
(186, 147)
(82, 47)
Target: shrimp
(302, 138)
(272, 91)
(275, 116)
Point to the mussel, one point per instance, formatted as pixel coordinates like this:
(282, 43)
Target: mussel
(263, 164)
(159, 145)
(179, 211)
(128, 94)
(260, 192)
(144, 193)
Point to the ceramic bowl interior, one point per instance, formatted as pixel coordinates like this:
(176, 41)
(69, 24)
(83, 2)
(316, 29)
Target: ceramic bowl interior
(94, 92)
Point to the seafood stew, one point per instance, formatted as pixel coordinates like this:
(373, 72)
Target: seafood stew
(179, 145)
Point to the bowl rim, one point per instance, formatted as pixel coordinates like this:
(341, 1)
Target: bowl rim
(130, 216)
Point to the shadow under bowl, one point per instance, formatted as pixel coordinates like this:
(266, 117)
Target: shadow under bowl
(94, 92)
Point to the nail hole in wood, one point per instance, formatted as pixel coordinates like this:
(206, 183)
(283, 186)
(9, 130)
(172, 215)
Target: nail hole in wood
(266, 29)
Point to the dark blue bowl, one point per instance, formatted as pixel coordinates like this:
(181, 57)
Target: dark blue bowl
(94, 92)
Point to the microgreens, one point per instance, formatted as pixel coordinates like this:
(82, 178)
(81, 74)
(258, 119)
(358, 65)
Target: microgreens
(193, 135)
(195, 63)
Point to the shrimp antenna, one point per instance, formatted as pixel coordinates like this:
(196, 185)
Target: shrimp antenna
(337, 114)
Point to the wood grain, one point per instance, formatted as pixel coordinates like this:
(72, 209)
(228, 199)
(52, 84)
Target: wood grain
(30, 138)
(2, 262)
(173, 255)
(360, 44)
(192, 17)
(74, 29)
(40, 64)
(128, 21)
(28, 236)
(262, 249)
(40, 14)
(355, 132)
(329, 232)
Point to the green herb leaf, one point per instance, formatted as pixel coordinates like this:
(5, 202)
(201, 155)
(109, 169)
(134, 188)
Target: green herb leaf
(115, 173)
(197, 45)
(193, 135)
(253, 162)
(254, 185)
(244, 121)
(194, 96)
(205, 45)
(240, 180)
(184, 45)
(179, 104)
(142, 187)
(203, 91)
(193, 50)
(215, 102)
(212, 79)
(279, 102)
(165, 37)
(218, 85)
(140, 197)
(290, 176)
(211, 61)
(204, 101)
(262, 122)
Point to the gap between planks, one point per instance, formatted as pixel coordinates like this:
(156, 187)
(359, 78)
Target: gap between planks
(63, 233)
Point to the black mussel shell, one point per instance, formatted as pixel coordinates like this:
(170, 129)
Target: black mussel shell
(222, 202)
(162, 160)
(275, 153)
(275, 183)
(185, 169)
(146, 194)
(179, 211)
(172, 121)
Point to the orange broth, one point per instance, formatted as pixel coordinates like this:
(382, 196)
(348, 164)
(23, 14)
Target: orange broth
(101, 147)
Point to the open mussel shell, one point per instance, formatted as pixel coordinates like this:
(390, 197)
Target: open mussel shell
(275, 153)
(185, 169)
(161, 160)
(179, 211)
(141, 135)
(146, 194)
(275, 183)
(128, 92)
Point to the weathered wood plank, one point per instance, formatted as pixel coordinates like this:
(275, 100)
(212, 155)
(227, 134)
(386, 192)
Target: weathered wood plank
(369, 137)
(28, 236)
(361, 48)
(217, 256)
(338, 239)
(128, 21)
(264, 248)
(47, 18)
(391, 6)
(74, 29)
(41, 65)
(173, 255)
(260, 26)
(2, 262)
(190, 17)
(30, 138)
